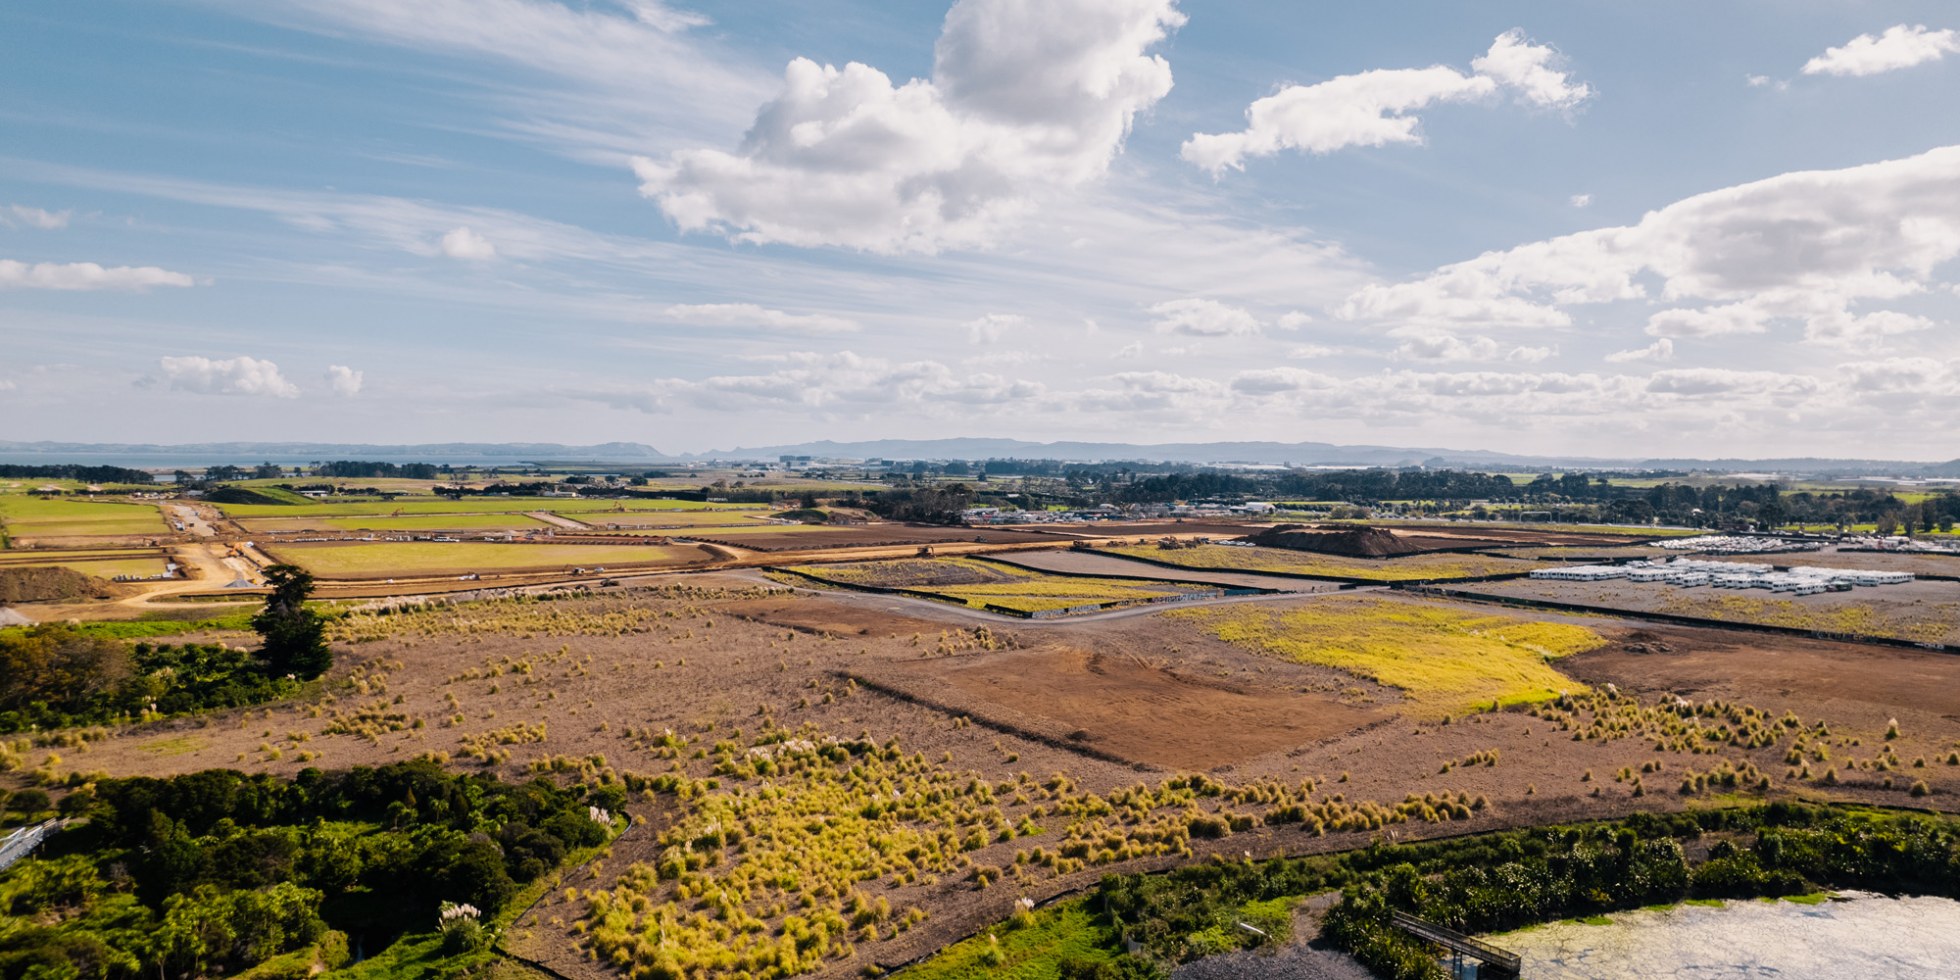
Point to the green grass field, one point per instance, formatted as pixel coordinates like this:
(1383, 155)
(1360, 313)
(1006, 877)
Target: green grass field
(1445, 660)
(639, 520)
(386, 559)
(59, 517)
(1409, 568)
(1069, 933)
(402, 525)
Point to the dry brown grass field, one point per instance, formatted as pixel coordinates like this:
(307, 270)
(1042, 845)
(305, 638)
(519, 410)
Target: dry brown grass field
(1052, 753)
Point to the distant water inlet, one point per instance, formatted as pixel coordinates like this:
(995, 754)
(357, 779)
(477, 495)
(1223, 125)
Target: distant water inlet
(1870, 937)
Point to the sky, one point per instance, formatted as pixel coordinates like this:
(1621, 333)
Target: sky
(1587, 227)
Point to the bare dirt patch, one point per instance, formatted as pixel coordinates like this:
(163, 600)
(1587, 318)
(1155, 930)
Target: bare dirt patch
(1847, 682)
(835, 618)
(1125, 707)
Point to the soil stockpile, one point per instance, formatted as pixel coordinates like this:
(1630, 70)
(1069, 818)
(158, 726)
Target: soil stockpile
(50, 585)
(1351, 542)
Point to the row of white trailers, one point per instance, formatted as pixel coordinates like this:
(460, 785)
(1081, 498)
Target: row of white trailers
(1687, 572)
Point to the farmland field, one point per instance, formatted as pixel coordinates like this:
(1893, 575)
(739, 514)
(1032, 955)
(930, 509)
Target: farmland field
(109, 568)
(1099, 563)
(381, 560)
(1924, 611)
(796, 757)
(465, 505)
(1585, 553)
(979, 583)
(56, 517)
(1446, 660)
(1409, 568)
(388, 525)
(101, 563)
(640, 520)
(1535, 528)
(812, 537)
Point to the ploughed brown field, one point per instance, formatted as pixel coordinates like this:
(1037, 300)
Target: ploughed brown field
(1124, 708)
(582, 684)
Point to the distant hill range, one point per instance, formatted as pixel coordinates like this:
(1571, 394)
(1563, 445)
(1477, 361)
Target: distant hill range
(1313, 454)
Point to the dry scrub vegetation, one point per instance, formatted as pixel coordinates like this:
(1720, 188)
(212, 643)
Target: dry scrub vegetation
(789, 821)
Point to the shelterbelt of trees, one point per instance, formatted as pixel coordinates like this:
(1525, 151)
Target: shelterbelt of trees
(70, 471)
(1574, 495)
(217, 872)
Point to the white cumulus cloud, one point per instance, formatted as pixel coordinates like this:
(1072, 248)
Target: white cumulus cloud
(345, 381)
(990, 328)
(85, 276)
(1529, 70)
(20, 215)
(1200, 317)
(462, 243)
(1374, 108)
(1803, 247)
(231, 376)
(1026, 96)
(1899, 47)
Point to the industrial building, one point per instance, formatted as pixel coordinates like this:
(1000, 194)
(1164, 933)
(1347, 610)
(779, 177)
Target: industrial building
(1691, 572)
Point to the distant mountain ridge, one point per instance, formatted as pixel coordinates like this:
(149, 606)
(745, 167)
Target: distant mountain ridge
(437, 452)
(1316, 454)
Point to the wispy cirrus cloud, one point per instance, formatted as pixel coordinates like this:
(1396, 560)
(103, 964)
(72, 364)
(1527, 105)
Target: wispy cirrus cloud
(593, 66)
(759, 317)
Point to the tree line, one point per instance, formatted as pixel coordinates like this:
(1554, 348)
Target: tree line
(353, 469)
(214, 872)
(70, 471)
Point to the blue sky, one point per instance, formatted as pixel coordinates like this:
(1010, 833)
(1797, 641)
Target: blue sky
(1618, 229)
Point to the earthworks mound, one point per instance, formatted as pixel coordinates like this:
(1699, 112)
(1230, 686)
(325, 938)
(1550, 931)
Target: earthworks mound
(48, 584)
(1351, 542)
